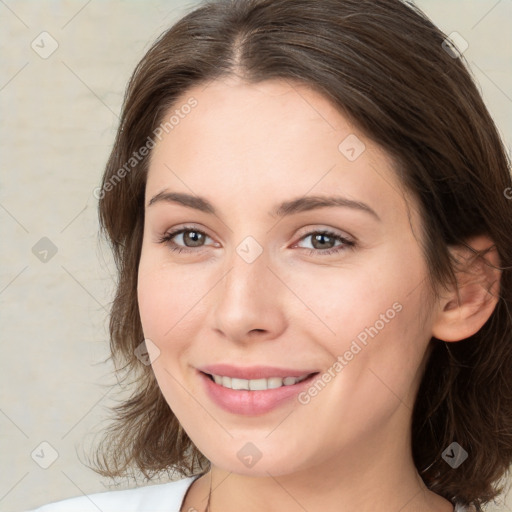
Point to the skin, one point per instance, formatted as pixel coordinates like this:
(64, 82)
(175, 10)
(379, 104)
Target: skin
(349, 447)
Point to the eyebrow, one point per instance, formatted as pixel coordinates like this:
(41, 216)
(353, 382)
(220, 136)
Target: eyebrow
(291, 207)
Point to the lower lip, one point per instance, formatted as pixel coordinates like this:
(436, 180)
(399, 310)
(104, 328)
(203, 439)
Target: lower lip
(251, 403)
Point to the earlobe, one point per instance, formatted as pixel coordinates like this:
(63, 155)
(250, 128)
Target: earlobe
(462, 311)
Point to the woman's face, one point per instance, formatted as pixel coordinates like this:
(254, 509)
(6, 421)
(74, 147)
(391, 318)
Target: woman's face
(267, 294)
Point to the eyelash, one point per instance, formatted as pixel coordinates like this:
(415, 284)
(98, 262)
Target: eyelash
(347, 244)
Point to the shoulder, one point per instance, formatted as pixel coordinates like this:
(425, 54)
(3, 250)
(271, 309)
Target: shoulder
(165, 497)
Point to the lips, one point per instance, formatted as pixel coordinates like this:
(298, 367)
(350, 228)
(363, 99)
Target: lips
(251, 402)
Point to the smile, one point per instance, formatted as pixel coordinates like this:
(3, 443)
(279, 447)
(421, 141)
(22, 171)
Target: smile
(259, 395)
(256, 384)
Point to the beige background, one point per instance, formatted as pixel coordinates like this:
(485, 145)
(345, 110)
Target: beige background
(59, 116)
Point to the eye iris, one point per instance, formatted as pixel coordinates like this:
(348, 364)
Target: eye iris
(319, 237)
(196, 238)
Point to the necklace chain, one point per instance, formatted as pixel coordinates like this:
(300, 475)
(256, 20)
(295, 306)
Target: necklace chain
(210, 494)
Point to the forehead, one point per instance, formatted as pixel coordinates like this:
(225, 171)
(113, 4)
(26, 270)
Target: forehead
(253, 145)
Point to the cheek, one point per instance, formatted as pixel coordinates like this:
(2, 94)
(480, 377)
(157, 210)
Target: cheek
(171, 302)
(347, 299)
(151, 306)
(163, 307)
(374, 313)
(389, 362)
(160, 296)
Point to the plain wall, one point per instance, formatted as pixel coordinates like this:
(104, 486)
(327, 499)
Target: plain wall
(59, 116)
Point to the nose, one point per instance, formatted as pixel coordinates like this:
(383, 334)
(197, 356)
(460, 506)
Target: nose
(250, 301)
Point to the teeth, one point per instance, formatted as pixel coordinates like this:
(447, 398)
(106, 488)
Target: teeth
(256, 384)
(237, 383)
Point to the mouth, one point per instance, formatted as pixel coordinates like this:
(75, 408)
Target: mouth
(261, 384)
(256, 396)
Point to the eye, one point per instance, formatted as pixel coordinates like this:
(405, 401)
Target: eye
(321, 247)
(195, 237)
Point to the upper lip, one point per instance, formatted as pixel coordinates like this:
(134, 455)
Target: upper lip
(253, 372)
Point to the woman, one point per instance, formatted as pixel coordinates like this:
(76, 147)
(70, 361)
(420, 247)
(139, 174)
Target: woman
(309, 207)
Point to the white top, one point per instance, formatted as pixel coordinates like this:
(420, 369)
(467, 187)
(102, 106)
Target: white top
(166, 497)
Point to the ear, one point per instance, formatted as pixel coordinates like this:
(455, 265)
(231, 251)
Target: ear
(461, 312)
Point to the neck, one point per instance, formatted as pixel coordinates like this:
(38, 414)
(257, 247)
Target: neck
(369, 476)
(317, 490)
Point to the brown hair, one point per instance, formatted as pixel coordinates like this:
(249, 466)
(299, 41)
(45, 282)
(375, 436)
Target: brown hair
(385, 65)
